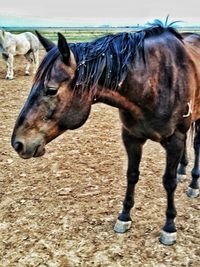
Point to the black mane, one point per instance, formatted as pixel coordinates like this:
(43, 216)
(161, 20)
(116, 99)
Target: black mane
(106, 60)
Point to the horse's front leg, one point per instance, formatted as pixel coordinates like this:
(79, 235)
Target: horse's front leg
(174, 146)
(134, 151)
(9, 58)
(193, 189)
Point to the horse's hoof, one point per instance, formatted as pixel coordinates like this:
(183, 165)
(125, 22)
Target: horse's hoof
(180, 177)
(122, 227)
(167, 239)
(192, 192)
(9, 78)
(27, 74)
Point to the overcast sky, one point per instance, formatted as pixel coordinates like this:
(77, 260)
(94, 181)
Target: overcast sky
(91, 12)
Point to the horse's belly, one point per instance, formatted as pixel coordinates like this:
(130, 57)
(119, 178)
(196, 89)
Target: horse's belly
(155, 130)
(22, 49)
(145, 133)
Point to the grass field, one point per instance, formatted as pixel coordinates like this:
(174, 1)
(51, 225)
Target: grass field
(84, 34)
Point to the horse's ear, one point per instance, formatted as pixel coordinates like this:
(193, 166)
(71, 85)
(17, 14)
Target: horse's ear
(46, 43)
(63, 48)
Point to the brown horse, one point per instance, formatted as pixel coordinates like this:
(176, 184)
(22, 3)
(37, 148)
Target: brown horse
(151, 76)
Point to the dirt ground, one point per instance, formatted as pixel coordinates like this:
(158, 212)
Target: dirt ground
(59, 210)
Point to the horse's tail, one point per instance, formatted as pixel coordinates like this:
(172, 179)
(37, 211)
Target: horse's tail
(30, 55)
(194, 128)
(34, 59)
(192, 132)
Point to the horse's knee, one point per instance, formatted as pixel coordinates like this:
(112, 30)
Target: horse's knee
(170, 181)
(133, 176)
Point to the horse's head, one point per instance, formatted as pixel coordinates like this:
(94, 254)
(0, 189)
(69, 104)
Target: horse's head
(2, 34)
(54, 104)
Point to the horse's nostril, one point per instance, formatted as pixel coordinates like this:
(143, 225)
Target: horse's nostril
(18, 146)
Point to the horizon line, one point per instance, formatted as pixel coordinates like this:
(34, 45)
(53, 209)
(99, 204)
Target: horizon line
(91, 26)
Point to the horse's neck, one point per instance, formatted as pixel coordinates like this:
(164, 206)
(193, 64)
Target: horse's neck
(117, 100)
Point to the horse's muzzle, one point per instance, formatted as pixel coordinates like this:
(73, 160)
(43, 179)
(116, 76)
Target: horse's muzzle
(28, 150)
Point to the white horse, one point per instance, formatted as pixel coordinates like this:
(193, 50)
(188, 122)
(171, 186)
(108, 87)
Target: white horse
(25, 44)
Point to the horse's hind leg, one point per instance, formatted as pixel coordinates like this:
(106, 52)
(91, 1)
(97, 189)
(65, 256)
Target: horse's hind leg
(193, 189)
(181, 172)
(174, 147)
(32, 60)
(134, 151)
(29, 62)
(9, 58)
(35, 60)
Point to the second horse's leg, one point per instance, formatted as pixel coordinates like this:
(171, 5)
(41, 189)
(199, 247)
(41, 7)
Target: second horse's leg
(9, 61)
(35, 60)
(29, 63)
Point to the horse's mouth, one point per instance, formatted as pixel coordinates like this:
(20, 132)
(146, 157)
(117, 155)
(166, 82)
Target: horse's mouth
(39, 151)
(27, 150)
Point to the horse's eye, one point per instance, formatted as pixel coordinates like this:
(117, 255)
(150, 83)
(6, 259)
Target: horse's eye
(51, 91)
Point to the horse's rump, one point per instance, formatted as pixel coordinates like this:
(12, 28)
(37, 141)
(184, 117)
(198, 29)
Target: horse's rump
(192, 44)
